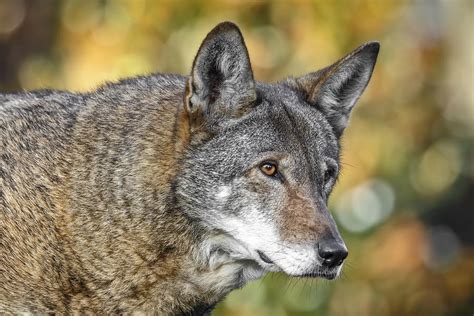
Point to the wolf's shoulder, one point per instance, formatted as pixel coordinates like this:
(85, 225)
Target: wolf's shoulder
(154, 80)
(38, 103)
(21, 97)
(153, 87)
(157, 83)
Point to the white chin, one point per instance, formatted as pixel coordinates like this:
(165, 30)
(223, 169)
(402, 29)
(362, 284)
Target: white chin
(253, 272)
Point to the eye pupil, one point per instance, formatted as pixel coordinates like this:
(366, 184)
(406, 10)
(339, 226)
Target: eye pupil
(268, 168)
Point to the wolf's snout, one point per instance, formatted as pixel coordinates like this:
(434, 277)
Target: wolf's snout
(332, 252)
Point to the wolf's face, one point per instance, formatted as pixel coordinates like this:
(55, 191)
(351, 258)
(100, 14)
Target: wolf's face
(263, 158)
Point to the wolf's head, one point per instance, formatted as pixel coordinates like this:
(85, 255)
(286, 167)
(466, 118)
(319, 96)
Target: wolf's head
(263, 158)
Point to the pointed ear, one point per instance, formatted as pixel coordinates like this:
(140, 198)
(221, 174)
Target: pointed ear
(335, 89)
(221, 83)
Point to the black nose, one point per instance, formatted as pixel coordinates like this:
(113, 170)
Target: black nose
(332, 252)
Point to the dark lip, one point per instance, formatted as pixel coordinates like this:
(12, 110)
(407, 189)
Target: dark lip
(318, 274)
(264, 257)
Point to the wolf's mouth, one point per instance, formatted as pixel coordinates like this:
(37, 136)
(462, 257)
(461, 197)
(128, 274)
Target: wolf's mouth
(264, 257)
(319, 274)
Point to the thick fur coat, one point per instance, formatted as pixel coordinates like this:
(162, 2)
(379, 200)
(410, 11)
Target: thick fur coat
(161, 194)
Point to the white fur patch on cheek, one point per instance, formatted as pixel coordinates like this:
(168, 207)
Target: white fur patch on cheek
(254, 230)
(223, 192)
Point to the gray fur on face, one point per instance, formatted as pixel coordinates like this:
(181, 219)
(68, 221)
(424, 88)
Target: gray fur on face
(295, 124)
(299, 118)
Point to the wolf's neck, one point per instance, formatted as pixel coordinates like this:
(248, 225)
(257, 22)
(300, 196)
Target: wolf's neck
(121, 213)
(222, 265)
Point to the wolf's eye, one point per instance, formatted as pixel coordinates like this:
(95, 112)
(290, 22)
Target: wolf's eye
(269, 168)
(328, 174)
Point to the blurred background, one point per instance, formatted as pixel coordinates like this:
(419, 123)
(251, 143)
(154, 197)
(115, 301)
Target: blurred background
(405, 199)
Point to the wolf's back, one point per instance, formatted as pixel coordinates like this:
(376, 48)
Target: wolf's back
(59, 153)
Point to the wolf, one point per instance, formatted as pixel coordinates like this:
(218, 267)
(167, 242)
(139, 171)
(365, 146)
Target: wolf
(162, 193)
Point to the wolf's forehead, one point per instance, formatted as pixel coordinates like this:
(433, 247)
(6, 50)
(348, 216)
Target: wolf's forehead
(301, 125)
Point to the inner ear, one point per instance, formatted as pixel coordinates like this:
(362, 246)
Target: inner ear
(216, 77)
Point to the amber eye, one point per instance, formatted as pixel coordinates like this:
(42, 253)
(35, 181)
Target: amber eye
(269, 168)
